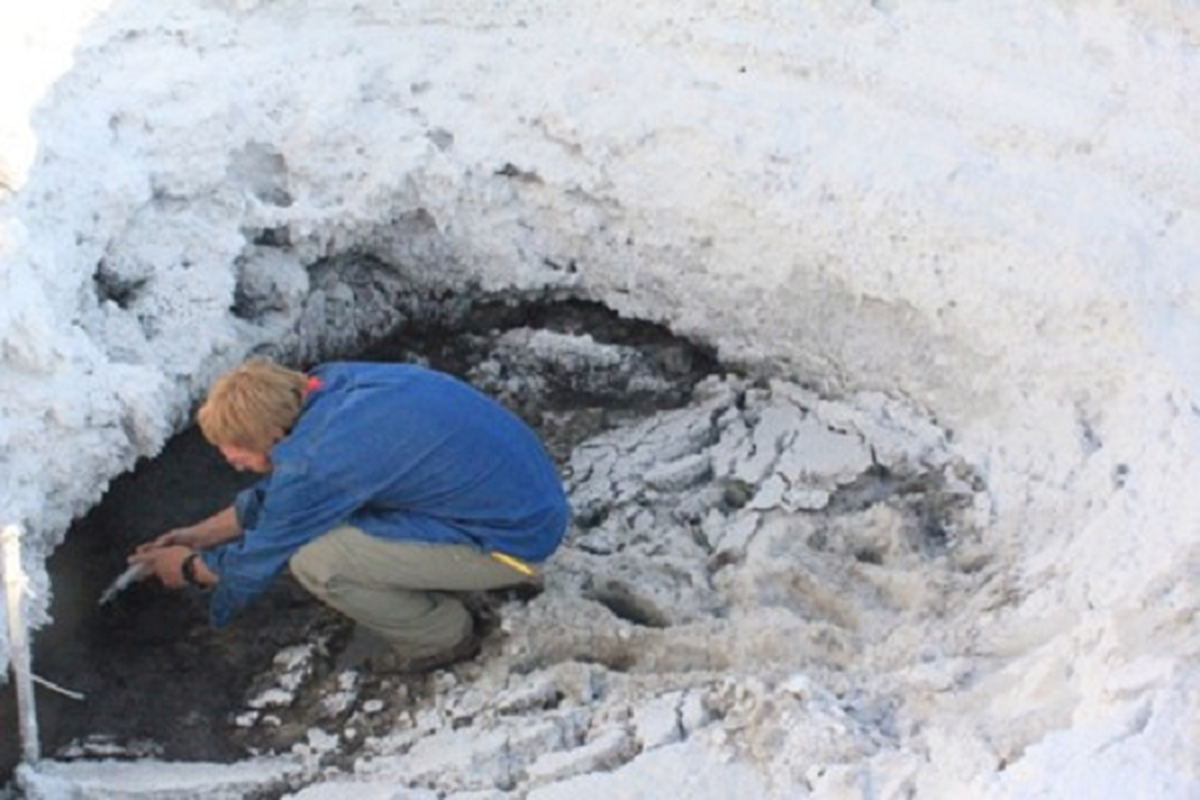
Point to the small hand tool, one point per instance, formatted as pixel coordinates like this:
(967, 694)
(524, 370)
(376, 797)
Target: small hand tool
(132, 574)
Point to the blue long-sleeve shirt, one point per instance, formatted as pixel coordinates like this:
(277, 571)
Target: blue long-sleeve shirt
(400, 452)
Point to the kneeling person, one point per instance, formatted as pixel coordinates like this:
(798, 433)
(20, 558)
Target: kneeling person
(388, 488)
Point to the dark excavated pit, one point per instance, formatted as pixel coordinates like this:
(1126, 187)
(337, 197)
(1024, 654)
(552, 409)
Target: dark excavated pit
(157, 679)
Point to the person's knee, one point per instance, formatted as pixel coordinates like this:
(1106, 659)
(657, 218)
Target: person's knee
(317, 564)
(312, 569)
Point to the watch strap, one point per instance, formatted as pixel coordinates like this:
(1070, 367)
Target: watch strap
(189, 571)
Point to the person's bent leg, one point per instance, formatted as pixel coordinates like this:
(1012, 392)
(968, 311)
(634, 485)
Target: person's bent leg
(399, 590)
(417, 565)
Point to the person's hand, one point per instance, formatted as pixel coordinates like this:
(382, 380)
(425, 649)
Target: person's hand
(164, 562)
(189, 537)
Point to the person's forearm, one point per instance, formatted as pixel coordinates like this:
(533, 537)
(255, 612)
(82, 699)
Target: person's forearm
(220, 527)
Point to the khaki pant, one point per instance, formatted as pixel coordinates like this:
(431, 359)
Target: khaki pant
(403, 591)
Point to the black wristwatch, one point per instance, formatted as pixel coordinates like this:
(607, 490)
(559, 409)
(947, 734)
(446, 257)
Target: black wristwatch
(189, 571)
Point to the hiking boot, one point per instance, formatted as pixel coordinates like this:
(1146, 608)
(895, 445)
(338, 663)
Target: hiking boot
(362, 649)
(398, 661)
(521, 592)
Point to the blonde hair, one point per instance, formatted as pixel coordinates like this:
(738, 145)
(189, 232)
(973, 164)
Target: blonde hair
(251, 406)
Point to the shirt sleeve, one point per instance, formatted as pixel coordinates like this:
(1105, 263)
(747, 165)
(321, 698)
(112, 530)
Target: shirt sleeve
(248, 503)
(286, 514)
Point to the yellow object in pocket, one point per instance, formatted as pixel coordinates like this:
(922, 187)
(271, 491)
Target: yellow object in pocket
(516, 563)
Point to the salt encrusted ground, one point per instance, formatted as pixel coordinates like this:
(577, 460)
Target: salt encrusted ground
(989, 213)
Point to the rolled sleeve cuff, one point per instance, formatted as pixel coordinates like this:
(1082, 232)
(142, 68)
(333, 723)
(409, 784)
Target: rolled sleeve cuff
(228, 600)
(248, 503)
(232, 592)
(214, 559)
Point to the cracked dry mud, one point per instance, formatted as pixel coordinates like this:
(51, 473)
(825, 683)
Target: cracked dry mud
(696, 599)
(748, 560)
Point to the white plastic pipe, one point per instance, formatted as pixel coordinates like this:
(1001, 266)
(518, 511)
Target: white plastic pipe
(18, 640)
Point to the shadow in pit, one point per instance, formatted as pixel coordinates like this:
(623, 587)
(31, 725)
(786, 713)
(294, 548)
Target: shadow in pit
(158, 680)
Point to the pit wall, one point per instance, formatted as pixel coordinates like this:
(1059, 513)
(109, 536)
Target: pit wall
(989, 212)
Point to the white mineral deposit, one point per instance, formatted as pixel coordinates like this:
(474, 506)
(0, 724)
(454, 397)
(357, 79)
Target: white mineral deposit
(928, 530)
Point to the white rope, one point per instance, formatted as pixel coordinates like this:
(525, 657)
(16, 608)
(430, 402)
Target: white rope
(54, 687)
